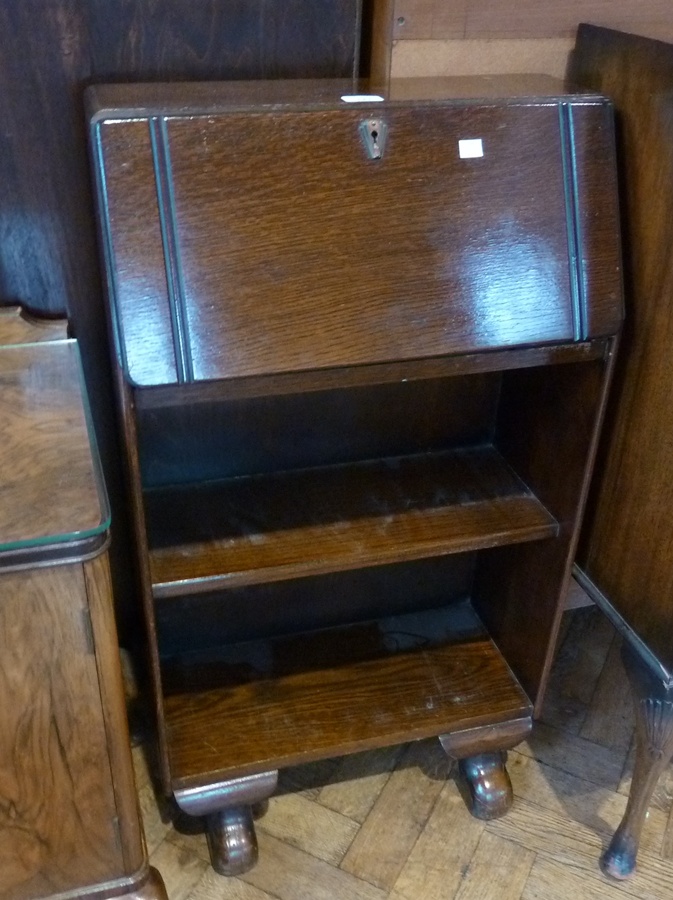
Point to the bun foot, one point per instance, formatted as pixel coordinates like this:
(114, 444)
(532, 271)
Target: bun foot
(485, 785)
(482, 777)
(232, 840)
(229, 808)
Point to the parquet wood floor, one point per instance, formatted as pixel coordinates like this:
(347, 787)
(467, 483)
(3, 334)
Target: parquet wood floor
(390, 825)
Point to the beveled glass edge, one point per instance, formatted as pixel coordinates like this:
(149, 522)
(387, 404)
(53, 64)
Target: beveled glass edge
(101, 489)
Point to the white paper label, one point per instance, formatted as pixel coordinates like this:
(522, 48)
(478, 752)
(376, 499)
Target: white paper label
(362, 98)
(471, 148)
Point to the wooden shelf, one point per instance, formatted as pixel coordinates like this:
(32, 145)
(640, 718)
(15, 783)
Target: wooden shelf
(262, 705)
(285, 525)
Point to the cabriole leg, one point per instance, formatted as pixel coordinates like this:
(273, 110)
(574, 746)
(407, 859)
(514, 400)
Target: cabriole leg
(654, 750)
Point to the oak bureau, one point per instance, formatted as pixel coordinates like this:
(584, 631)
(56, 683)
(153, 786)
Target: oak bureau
(362, 348)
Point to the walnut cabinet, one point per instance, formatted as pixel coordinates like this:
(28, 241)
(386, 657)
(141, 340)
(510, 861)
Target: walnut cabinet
(69, 821)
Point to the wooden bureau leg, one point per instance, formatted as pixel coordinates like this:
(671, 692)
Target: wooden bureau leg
(232, 840)
(484, 785)
(229, 808)
(482, 775)
(654, 750)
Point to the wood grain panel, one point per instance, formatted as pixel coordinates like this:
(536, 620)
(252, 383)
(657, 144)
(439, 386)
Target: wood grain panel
(480, 56)
(285, 525)
(627, 546)
(178, 39)
(48, 485)
(259, 706)
(457, 266)
(142, 325)
(442, 281)
(57, 807)
(18, 327)
(520, 593)
(429, 290)
(104, 633)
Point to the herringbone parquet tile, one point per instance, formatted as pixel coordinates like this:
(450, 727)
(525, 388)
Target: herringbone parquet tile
(390, 825)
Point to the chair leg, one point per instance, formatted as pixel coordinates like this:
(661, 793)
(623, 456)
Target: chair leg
(654, 750)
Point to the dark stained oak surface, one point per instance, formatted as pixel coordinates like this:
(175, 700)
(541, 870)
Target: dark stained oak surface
(627, 541)
(283, 525)
(49, 486)
(226, 231)
(256, 706)
(163, 396)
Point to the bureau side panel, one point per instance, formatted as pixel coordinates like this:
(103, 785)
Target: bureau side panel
(57, 807)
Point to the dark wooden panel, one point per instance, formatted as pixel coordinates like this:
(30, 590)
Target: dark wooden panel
(149, 40)
(288, 524)
(627, 545)
(205, 440)
(598, 244)
(258, 706)
(147, 337)
(548, 430)
(164, 396)
(435, 257)
(305, 604)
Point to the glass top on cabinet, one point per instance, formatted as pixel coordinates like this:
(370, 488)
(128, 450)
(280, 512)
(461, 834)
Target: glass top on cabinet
(51, 486)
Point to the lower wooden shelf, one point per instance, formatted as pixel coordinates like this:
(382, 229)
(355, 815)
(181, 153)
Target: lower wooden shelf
(263, 705)
(281, 525)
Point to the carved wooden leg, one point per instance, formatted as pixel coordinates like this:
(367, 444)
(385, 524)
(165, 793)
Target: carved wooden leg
(482, 776)
(228, 808)
(654, 750)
